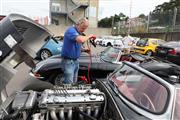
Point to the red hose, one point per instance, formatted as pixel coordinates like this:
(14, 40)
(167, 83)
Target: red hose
(89, 65)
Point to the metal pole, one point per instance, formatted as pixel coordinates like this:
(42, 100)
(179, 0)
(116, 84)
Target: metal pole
(88, 9)
(129, 27)
(119, 27)
(147, 30)
(174, 21)
(112, 31)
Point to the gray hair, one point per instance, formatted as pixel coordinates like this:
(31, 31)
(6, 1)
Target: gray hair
(81, 20)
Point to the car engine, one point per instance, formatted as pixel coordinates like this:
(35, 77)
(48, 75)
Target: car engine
(66, 102)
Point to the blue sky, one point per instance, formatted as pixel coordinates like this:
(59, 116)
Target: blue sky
(106, 7)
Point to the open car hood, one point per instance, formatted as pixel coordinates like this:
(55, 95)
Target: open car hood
(19, 37)
(20, 31)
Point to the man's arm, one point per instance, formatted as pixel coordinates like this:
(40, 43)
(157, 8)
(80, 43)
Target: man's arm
(84, 49)
(82, 39)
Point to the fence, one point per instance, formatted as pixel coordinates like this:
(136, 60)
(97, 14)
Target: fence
(167, 21)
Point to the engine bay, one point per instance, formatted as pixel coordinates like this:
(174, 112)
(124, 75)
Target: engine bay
(65, 102)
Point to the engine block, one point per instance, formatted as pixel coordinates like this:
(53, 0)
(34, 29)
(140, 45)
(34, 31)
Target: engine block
(71, 102)
(76, 97)
(68, 100)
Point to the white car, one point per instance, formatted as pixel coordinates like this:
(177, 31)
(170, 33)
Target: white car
(110, 40)
(98, 40)
(118, 43)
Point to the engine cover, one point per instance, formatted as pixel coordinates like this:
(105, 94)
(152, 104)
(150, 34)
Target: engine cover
(69, 100)
(69, 96)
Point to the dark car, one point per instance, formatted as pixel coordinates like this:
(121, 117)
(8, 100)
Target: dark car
(138, 92)
(98, 66)
(169, 51)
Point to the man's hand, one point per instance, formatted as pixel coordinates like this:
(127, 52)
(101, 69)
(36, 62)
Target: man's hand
(92, 37)
(86, 50)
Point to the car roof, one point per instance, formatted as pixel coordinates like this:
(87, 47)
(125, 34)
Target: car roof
(162, 69)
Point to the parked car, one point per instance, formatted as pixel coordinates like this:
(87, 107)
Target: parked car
(52, 46)
(98, 40)
(147, 46)
(169, 51)
(118, 43)
(110, 40)
(100, 65)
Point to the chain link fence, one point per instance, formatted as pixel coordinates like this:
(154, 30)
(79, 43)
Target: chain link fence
(156, 22)
(168, 21)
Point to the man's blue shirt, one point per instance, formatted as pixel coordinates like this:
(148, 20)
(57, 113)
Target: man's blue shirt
(71, 48)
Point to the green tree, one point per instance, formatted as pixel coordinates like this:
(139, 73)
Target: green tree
(105, 22)
(164, 13)
(142, 16)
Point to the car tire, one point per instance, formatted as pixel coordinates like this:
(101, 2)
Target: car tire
(109, 44)
(44, 54)
(149, 53)
(57, 79)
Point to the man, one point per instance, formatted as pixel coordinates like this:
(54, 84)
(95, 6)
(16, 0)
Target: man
(73, 39)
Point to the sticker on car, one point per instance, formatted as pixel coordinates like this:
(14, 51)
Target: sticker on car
(10, 41)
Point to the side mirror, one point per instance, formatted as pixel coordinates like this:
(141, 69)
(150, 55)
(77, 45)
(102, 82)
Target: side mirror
(47, 38)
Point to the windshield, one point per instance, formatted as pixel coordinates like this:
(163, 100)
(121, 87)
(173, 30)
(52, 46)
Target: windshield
(110, 54)
(142, 42)
(140, 89)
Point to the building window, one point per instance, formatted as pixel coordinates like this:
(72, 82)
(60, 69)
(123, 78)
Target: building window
(56, 7)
